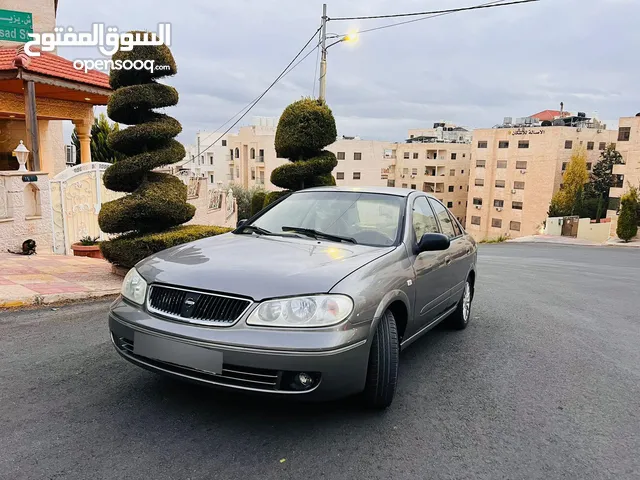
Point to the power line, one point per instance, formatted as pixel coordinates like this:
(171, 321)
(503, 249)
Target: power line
(433, 12)
(253, 103)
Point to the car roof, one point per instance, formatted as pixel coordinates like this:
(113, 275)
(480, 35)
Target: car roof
(399, 192)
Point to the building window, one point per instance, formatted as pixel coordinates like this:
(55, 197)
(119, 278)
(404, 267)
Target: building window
(590, 145)
(356, 175)
(454, 156)
(237, 172)
(340, 155)
(464, 155)
(502, 164)
(391, 183)
(516, 205)
(617, 181)
(210, 159)
(452, 172)
(479, 182)
(523, 144)
(451, 188)
(482, 144)
(261, 154)
(500, 183)
(461, 172)
(357, 155)
(475, 220)
(449, 204)
(237, 153)
(521, 165)
(404, 185)
(211, 178)
(406, 155)
(503, 144)
(518, 185)
(224, 143)
(624, 133)
(498, 203)
(481, 163)
(414, 171)
(568, 144)
(564, 166)
(477, 201)
(415, 155)
(339, 175)
(253, 174)
(413, 186)
(253, 154)
(589, 165)
(514, 226)
(496, 223)
(602, 146)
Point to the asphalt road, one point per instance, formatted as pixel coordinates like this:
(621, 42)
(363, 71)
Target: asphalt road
(544, 384)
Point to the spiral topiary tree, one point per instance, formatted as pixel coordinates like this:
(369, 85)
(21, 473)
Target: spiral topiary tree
(157, 202)
(305, 128)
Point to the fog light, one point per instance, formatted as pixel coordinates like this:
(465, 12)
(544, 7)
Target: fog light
(305, 380)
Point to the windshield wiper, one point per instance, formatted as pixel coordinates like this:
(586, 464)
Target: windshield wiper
(315, 234)
(255, 229)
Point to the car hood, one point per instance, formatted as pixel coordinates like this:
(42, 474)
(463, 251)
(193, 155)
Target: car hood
(259, 267)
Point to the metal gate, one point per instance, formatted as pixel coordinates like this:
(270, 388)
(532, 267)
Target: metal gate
(77, 195)
(570, 226)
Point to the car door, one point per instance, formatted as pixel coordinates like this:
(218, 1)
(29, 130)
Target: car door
(455, 260)
(432, 286)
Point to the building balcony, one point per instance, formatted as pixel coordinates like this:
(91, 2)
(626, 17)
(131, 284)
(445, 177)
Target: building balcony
(430, 187)
(228, 158)
(260, 159)
(619, 169)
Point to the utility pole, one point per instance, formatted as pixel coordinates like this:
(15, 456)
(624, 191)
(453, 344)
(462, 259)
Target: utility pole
(323, 57)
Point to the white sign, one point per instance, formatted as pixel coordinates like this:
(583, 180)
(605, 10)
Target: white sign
(108, 43)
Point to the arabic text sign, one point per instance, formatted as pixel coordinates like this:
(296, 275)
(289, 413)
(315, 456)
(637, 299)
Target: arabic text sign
(15, 26)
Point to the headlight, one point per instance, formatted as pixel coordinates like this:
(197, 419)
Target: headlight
(311, 311)
(134, 287)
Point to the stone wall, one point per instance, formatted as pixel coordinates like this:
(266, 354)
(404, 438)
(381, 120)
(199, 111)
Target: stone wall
(25, 211)
(214, 206)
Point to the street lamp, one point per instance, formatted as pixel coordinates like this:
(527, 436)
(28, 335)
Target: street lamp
(22, 154)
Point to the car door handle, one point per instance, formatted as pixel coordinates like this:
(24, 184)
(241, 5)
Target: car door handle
(447, 260)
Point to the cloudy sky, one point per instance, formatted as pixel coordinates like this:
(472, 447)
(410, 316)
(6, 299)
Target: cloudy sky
(472, 68)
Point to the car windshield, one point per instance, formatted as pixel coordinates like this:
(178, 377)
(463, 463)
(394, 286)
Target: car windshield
(363, 218)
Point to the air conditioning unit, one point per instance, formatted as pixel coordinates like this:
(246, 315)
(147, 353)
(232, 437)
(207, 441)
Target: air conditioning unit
(499, 209)
(579, 129)
(513, 191)
(523, 171)
(478, 206)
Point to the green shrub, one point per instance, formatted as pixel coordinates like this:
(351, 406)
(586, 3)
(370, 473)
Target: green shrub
(274, 196)
(129, 249)
(304, 129)
(628, 219)
(257, 201)
(156, 201)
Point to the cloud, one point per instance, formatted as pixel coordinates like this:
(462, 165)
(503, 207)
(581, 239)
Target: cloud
(473, 68)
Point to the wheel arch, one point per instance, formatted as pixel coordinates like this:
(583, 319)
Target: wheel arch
(398, 302)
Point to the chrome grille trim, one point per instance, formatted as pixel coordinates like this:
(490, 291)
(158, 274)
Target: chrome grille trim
(210, 309)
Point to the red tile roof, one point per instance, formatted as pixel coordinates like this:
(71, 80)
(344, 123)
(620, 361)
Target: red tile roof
(549, 115)
(50, 65)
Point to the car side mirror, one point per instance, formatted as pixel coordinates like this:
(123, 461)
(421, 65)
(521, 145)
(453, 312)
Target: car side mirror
(241, 222)
(431, 242)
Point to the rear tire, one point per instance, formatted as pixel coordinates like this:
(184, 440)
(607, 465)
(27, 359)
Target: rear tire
(382, 373)
(459, 319)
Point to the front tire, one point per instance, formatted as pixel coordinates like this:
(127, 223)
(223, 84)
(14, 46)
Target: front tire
(382, 373)
(459, 319)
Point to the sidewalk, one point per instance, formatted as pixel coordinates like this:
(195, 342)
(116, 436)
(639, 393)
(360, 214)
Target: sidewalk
(41, 279)
(573, 241)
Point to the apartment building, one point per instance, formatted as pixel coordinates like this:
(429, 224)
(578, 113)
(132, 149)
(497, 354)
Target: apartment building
(628, 144)
(207, 158)
(442, 132)
(363, 162)
(517, 167)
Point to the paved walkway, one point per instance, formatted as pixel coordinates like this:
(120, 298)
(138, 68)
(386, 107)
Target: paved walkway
(41, 278)
(572, 241)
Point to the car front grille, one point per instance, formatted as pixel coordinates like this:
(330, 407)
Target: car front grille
(232, 375)
(196, 307)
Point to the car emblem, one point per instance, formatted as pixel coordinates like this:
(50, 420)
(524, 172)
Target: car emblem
(189, 302)
(188, 305)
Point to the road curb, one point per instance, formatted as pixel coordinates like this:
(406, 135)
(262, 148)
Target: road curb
(37, 299)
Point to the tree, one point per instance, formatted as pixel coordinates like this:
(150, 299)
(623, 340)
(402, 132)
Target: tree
(628, 219)
(568, 200)
(305, 128)
(597, 190)
(100, 149)
(244, 199)
(156, 201)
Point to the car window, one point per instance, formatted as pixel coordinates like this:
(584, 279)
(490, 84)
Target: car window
(369, 218)
(443, 216)
(456, 225)
(424, 221)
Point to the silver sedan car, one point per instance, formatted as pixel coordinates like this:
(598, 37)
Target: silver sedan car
(314, 297)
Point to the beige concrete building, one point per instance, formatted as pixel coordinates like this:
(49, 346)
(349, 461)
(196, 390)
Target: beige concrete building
(628, 144)
(516, 169)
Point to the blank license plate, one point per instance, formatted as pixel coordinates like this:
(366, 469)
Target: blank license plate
(178, 353)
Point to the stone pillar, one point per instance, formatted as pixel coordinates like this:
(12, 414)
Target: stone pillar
(84, 136)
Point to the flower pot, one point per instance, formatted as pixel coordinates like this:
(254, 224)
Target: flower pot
(92, 251)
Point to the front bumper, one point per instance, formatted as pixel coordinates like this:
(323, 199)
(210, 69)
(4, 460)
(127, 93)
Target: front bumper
(253, 359)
